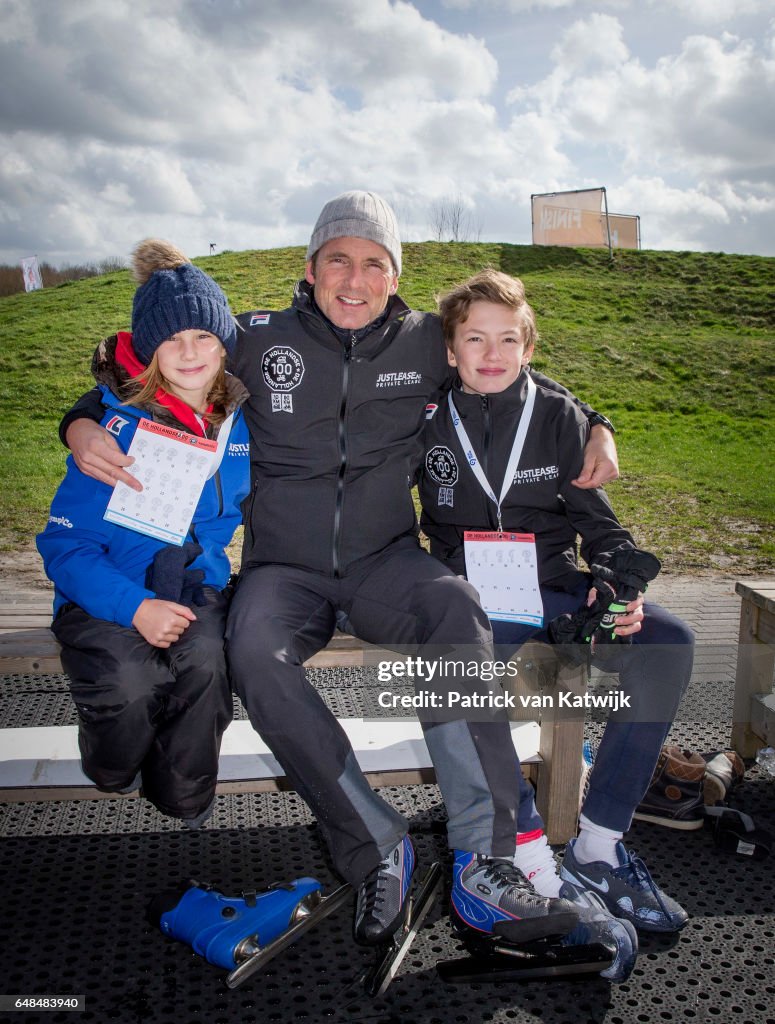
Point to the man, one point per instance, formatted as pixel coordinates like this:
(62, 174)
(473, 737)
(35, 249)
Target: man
(339, 384)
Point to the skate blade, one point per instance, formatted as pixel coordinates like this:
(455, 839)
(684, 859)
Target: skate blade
(326, 906)
(386, 968)
(535, 929)
(505, 964)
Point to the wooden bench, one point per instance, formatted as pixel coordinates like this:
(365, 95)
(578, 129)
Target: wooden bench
(753, 715)
(42, 763)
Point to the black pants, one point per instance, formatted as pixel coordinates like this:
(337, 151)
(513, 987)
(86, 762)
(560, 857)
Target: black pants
(281, 615)
(160, 712)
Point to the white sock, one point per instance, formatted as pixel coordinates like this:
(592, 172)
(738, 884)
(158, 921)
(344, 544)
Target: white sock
(534, 859)
(596, 843)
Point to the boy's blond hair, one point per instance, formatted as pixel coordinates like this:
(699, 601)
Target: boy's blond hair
(488, 285)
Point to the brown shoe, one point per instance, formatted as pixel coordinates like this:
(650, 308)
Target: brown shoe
(675, 796)
(724, 769)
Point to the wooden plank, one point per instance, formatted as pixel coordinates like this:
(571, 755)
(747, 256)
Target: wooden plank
(763, 718)
(561, 746)
(19, 619)
(35, 650)
(754, 673)
(47, 759)
(765, 627)
(758, 592)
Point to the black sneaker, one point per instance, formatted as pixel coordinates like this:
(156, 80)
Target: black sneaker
(381, 905)
(493, 897)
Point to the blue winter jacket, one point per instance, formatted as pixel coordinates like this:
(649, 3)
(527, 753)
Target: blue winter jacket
(101, 566)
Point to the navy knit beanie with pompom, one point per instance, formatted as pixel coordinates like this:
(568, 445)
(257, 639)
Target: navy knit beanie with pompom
(174, 295)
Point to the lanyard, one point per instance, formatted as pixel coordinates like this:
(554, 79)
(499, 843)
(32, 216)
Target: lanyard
(516, 448)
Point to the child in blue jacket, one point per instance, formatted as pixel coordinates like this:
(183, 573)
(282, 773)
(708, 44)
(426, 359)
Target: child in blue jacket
(140, 621)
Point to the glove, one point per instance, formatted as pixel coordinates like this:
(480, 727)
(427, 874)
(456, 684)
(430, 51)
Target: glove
(618, 578)
(170, 579)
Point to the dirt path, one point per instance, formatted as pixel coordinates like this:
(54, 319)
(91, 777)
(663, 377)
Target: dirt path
(22, 569)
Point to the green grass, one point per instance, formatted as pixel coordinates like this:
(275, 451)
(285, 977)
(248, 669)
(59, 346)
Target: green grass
(677, 348)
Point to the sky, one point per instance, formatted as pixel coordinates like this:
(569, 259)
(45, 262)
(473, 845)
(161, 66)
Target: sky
(231, 122)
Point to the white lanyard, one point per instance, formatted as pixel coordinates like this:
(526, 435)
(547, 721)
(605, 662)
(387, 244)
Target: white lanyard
(516, 448)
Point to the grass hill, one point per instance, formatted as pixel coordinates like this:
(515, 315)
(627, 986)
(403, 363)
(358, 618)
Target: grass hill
(676, 348)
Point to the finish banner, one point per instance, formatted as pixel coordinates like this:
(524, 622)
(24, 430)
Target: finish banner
(570, 218)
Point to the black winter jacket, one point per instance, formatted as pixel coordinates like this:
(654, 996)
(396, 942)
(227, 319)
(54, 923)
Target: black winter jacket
(335, 427)
(541, 500)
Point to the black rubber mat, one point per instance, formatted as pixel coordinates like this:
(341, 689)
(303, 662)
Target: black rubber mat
(73, 923)
(78, 876)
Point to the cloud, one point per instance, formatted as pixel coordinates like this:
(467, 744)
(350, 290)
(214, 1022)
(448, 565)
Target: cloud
(141, 112)
(704, 115)
(232, 122)
(526, 6)
(592, 45)
(712, 12)
(715, 100)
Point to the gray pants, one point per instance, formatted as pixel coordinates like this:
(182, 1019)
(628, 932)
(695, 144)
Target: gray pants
(281, 615)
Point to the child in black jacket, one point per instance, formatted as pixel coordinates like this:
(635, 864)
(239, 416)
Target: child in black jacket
(500, 456)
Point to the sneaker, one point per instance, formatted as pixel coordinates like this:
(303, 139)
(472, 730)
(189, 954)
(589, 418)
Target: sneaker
(724, 769)
(675, 795)
(382, 904)
(628, 890)
(493, 897)
(598, 925)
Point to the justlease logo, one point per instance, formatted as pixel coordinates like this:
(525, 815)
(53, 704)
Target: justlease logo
(536, 474)
(403, 378)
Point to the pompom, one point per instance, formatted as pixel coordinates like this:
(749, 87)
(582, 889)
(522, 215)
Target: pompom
(154, 254)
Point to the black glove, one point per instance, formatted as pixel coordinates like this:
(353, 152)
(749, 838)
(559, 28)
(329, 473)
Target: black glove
(618, 578)
(170, 579)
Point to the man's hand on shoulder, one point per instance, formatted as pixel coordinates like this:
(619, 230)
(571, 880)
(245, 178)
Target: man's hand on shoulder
(601, 460)
(98, 455)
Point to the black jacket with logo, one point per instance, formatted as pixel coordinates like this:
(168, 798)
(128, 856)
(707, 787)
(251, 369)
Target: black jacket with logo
(335, 426)
(541, 499)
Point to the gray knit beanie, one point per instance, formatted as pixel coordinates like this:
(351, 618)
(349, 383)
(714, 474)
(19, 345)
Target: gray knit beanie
(358, 215)
(174, 295)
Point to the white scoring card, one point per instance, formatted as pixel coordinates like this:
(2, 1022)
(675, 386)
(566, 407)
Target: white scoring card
(504, 569)
(172, 466)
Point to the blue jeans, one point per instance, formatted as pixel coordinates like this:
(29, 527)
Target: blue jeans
(654, 672)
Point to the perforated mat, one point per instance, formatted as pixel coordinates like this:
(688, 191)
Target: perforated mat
(78, 876)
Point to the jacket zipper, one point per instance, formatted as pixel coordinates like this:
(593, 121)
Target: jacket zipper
(487, 432)
(342, 456)
(485, 458)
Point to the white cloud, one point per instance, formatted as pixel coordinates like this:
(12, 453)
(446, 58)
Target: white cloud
(712, 12)
(714, 101)
(233, 122)
(526, 6)
(596, 43)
